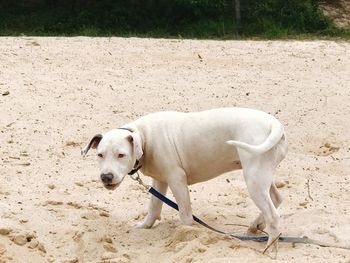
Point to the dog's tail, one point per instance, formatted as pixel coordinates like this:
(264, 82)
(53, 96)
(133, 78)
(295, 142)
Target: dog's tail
(274, 137)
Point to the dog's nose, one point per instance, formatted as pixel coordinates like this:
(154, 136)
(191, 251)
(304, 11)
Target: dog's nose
(107, 178)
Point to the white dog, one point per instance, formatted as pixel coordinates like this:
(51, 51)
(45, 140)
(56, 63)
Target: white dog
(179, 149)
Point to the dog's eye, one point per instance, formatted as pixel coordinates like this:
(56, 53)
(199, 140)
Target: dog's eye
(121, 155)
(100, 155)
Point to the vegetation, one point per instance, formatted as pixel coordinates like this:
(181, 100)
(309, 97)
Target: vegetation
(165, 18)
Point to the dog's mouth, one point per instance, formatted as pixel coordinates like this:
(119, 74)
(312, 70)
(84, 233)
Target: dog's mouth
(111, 186)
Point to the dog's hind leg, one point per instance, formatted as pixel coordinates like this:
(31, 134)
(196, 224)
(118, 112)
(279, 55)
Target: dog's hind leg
(278, 154)
(259, 222)
(258, 172)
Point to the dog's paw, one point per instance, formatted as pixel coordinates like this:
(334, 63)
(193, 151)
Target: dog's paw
(256, 229)
(187, 220)
(147, 223)
(142, 225)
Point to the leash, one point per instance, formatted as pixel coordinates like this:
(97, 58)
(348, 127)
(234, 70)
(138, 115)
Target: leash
(172, 204)
(285, 239)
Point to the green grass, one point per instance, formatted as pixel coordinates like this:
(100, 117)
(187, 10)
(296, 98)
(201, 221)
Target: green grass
(202, 19)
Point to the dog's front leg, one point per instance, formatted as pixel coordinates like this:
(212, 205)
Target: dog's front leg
(178, 185)
(155, 206)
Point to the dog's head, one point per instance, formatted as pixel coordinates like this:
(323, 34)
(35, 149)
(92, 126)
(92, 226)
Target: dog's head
(117, 152)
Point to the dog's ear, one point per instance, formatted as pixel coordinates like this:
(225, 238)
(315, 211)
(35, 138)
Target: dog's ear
(92, 144)
(136, 143)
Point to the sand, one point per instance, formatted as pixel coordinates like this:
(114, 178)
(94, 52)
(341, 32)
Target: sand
(56, 93)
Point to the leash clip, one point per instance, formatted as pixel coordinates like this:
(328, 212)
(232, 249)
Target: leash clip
(139, 180)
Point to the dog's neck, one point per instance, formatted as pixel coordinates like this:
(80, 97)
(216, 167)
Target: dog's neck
(137, 166)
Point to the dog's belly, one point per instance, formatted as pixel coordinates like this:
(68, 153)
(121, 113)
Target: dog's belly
(205, 164)
(201, 175)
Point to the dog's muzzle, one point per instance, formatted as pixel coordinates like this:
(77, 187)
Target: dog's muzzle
(107, 180)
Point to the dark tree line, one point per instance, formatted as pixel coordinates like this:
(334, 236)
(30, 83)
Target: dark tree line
(198, 18)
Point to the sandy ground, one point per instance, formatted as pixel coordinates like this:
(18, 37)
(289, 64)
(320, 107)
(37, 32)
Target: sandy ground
(56, 93)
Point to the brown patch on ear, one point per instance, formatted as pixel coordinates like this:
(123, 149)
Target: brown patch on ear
(92, 144)
(95, 141)
(130, 139)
